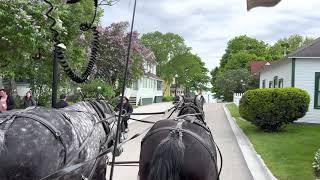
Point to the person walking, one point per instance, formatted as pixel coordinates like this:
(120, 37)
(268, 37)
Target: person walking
(127, 108)
(63, 102)
(202, 99)
(28, 100)
(6, 101)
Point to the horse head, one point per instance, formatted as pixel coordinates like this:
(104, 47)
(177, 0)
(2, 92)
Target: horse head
(192, 105)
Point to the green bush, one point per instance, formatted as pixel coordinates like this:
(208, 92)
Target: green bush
(90, 89)
(272, 109)
(167, 98)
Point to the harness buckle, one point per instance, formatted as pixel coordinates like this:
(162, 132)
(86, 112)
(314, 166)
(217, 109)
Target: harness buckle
(58, 133)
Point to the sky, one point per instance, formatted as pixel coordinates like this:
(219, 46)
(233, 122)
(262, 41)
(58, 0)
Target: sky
(207, 25)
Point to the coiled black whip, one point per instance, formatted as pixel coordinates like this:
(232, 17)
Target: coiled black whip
(58, 50)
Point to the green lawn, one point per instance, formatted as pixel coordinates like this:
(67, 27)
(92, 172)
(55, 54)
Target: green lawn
(288, 154)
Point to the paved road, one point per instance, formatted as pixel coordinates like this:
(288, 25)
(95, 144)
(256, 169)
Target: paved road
(234, 166)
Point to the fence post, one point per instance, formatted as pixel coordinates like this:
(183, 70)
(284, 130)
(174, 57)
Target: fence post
(237, 97)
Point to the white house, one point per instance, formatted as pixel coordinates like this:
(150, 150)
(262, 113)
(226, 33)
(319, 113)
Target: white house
(300, 69)
(148, 89)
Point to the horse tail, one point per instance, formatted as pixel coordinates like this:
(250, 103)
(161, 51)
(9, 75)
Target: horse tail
(167, 160)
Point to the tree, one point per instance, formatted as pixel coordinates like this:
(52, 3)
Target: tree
(288, 45)
(26, 41)
(191, 71)
(246, 45)
(113, 55)
(240, 52)
(233, 81)
(241, 59)
(165, 47)
(214, 73)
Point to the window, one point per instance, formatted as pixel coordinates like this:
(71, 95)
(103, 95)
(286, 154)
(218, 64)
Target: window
(317, 91)
(159, 85)
(280, 85)
(275, 82)
(135, 85)
(145, 82)
(264, 84)
(270, 84)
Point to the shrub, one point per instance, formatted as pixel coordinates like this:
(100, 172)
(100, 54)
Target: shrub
(271, 109)
(167, 98)
(90, 89)
(316, 163)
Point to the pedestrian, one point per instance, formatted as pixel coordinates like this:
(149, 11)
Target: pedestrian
(126, 108)
(176, 99)
(202, 99)
(6, 101)
(28, 100)
(63, 102)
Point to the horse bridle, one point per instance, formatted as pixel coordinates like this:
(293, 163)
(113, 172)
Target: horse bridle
(200, 113)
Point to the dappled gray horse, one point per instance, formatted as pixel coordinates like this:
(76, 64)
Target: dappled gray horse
(37, 142)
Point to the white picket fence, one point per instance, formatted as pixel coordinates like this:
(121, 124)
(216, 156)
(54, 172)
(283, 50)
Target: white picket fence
(236, 98)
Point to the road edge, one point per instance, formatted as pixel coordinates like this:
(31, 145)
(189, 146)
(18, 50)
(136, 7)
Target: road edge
(255, 163)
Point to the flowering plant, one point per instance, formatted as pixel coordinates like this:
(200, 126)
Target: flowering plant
(316, 163)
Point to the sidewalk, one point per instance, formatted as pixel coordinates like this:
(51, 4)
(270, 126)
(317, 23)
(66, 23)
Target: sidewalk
(156, 107)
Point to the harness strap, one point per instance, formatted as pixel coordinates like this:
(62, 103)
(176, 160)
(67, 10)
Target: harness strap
(69, 169)
(199, 123)
(105, 126)
(85, 142)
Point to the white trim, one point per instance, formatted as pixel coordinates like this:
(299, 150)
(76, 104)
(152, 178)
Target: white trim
(303, 57)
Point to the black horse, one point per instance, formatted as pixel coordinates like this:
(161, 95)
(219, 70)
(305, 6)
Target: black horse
(37, 142)
(181, 148)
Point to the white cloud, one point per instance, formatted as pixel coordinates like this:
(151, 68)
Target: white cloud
(207, 25)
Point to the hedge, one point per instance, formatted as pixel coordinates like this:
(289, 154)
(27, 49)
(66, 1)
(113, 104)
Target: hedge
(272, 109)
(167, 98)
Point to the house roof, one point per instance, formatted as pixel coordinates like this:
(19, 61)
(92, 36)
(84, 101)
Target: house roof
(308, 51)
(149, 55)
(257, 65)
(311, 50)
(148, 74)
(275, 64)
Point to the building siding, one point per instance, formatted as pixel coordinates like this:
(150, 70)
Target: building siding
(305, 79)
(146, 91)
(283, 71)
